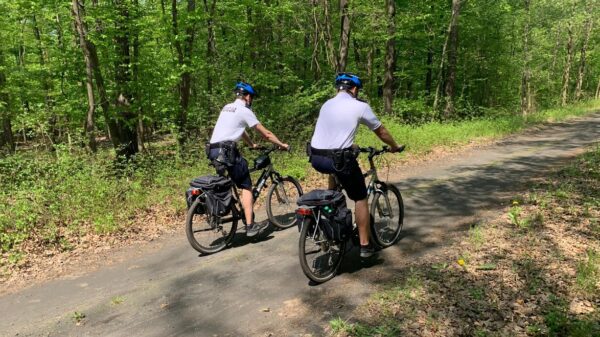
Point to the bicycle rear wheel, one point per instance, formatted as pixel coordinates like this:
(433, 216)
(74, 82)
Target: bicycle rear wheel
(208, 233)
(320, 258)
(387, 215)
(281, 202)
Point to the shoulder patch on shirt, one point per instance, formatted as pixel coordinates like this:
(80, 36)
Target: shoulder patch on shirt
(230, 108)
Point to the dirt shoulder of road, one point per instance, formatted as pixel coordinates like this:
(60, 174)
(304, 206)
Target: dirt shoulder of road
(532, 271)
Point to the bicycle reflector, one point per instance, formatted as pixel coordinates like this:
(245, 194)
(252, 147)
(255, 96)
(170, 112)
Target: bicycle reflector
(196, 191)
(304, 211)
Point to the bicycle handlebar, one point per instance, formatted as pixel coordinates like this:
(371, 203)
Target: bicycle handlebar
(374, 152)
(268, 149)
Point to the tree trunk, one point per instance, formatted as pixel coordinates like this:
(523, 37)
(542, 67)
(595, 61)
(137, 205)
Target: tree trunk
(567, 72)
(452, 59)
(344, 36)
(331, 57)
(598, 89)
(61, 45)
(525, 78)
(6, 136)
(440, 79)
(113, 128)
(20, 60)
(555, 52)
(141, 137)
(429, 74)
(126, 121)
(390, 58)
(89, 129)
(314, 65)
(211, 51)
(43, 56)
(184, 59)
(586, 40)
(370, 60)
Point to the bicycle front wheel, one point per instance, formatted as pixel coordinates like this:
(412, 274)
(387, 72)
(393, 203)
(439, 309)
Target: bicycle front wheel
(208, 233)
(320, 258)
(281, 202)
(387, 215)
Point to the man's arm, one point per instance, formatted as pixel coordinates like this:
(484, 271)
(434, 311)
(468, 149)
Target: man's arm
(248, 140)
(270, 136)
(386, 137)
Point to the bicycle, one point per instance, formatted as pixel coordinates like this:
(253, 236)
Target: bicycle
(387, 219)
(210, 233)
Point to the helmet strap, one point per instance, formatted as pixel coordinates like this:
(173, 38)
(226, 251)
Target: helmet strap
(349, 90)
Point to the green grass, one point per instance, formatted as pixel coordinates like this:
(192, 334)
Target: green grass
(588, 272)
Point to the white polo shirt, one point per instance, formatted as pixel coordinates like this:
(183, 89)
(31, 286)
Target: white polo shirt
(233, 120)
(338, 122)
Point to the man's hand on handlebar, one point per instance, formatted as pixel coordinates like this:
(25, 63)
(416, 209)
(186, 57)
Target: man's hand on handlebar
(398, 149)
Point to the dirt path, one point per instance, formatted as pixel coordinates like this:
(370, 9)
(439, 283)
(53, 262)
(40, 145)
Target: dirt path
(256, 288)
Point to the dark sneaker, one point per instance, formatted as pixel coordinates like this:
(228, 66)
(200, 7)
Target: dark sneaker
(254, 229)
(367, 251)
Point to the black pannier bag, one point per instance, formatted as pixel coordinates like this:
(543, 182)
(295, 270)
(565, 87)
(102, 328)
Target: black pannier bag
(336, 218)
(190, 198)
(216, 191)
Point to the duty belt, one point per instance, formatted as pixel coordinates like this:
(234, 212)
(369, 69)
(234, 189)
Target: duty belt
(223, 144)
(328, 152)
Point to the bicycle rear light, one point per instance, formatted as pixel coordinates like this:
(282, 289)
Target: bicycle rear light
(196, 192)
(304, 211)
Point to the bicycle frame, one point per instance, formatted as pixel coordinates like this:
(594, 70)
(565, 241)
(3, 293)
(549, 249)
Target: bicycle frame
(267, 172)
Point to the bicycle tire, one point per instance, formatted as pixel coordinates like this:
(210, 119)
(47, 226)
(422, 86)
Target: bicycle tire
(333, 260)
(222, 236)
(283, 214)
(382, 233)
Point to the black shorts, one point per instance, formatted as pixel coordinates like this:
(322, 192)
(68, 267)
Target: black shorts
(239, 172)
(352, 179)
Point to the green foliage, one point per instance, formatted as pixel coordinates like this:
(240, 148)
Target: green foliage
(78, 317)
(46, 195)
(588, 272)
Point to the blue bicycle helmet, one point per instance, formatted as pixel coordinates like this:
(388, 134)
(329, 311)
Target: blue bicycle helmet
(243, 88)
(347, 81)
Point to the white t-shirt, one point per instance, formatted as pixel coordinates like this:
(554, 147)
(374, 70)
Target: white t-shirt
(233, 120)
(338, 121)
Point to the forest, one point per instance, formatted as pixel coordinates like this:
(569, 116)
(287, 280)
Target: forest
(85, 84)
(78, 72)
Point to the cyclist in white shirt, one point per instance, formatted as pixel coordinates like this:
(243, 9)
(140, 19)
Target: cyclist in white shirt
(331, 147)
(230, 128)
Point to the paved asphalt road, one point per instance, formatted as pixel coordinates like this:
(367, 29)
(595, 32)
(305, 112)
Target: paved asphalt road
(256, 287)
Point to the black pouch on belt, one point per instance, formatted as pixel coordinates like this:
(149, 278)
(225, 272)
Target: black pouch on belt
(227, 154)
(339, 160)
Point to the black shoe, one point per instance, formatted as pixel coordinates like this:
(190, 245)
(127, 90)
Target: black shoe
(254, 229)
(367, 251)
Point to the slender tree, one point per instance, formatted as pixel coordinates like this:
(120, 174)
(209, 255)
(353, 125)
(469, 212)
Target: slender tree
(452, 58)
(526, 77)
(126, 118)
(344, 36)
(6, 138)
(586, 39)
(211, 50)
(567, 71)
(390, 58)
(89, 128)
(184, 55)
